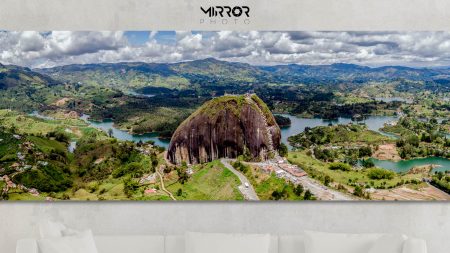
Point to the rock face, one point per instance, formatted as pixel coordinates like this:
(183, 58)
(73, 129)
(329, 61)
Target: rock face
(226, 126)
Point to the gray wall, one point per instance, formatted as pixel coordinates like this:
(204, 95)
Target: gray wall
(425, 220)
(182, 15)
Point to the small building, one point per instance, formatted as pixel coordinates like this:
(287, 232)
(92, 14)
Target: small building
(150, 191)
(280, 173)
(33, 191)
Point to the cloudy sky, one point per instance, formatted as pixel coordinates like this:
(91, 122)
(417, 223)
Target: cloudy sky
(47, 49)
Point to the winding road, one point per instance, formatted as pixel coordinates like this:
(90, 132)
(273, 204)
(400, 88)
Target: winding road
(248, 192)
(163, 188)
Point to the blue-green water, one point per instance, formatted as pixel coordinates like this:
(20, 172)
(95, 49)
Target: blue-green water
(117, 133)
(124, 135)
(298, 124)
(406, 165)
(373, 123)
(38, 115)
(394, 99)
(134, 93)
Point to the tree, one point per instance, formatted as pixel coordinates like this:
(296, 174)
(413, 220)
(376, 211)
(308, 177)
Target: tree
(440, 175)
(327, 180)
(400, 143)
(364, 151)
(298, 190)
(308, 195)
(367, 163)
(133, 169)
(283, 150)
(129, 186)
(61, 137)
(276, 195)
(351, 160)
(425, 137)
(179, 192)
(13, 129)
(246, 154)
(378, 173)
(110, 132)
(182, 174)
(413, 140)
(358, 191)
(339, 166)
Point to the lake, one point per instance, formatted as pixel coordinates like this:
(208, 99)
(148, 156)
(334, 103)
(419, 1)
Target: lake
(298, 124)
(124, 135)
(394, 99)
(136, 94)
(406, 165)
(117, 133)
(40, 116)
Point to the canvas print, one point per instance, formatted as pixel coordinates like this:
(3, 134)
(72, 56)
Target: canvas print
(173, 116)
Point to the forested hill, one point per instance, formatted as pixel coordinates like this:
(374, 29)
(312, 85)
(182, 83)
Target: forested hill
(210, 71)
(12, 76)
(24, 89)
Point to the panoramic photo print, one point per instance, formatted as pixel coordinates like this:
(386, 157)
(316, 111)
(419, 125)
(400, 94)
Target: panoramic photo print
(258, 116)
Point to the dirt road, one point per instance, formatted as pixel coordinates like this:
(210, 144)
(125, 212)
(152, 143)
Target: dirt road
(163, 188)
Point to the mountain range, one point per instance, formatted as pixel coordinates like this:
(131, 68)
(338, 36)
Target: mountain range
(213, 72)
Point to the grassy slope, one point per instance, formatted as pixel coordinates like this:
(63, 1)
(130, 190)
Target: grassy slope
(265, 184)
(340, 134)
(107, 189)
(318, 169)
(33, 125)
(211, 181)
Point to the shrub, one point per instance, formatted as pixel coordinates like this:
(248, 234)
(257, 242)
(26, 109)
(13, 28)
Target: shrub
(283, 150)
(129, 186)
(378, 173)
(298, 190)
(59, 136)
(135, 169)
(364, 151)
(308, 195)
(339, 166)
(240, 166)
(358, 191)
(368, 163)
(327, 180)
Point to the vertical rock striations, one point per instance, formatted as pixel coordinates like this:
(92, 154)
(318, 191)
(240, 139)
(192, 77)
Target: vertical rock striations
(226, 126)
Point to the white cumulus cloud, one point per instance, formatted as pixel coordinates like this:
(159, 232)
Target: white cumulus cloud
(47, 49)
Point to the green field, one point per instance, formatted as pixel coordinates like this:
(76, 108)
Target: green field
(210, 181)
(319, 170)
